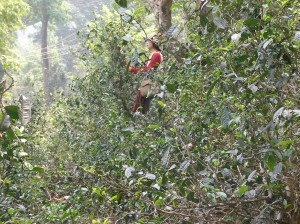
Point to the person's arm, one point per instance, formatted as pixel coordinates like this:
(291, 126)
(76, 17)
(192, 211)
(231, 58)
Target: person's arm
(133, 69)
(153, 63)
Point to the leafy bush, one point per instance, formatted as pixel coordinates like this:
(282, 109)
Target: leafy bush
(220, 147)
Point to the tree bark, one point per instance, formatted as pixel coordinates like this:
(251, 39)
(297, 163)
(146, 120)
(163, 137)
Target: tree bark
(44, 51)
(163, 14)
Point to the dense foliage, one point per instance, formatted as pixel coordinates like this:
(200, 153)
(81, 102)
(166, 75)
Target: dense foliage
(11, 12)
(221, 146)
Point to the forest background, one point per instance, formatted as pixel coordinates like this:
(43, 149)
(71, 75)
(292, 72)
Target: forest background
(220, 146)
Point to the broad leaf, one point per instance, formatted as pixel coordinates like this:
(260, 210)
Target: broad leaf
(242, 190)
(12, 111)
(134, 58)
(171, 88)
(222, 195)
(122, 3)
(150, 176)
(138, 11)
(117, 197)
(270, 160)
(277, 114)
(28, 165)
(127, 37)
(220, 22)
(171, 31)
(184, 165)
(159, 202)
(225, 117)
(250, 177)
(38, 169)
(128, 171)
(153, 126)
(166, 157)
(251, 22)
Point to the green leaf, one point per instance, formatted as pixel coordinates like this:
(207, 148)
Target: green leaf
(122, 3)
(65, 215)
(160, 103)
(225, 117)
(10, 134)
(242, 190)
(10, 211)
(186, 222)
(153, 126)
(203, 20)
(171, 88)
(97, 190)
(212, 86)
(285, 143)
(174, 6)
(271, 162)
(138, 11)
(117, 197)
(38, 169)
(159, 202)
(251, 22)
(12, 111)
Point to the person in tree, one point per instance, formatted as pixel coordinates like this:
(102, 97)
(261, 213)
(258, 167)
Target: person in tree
(155, 59)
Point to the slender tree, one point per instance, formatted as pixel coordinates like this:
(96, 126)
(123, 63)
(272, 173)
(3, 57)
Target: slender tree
(44, 49)
(46, 11)
(163, 14)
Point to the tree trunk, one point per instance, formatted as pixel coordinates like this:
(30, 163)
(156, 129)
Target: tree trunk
(163, 14)
(44, 51)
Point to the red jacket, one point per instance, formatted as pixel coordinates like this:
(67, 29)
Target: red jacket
(154, 62)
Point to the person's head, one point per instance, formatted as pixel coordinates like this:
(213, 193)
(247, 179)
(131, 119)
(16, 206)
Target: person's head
(152, 42)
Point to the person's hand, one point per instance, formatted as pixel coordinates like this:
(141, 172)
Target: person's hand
(131, 68)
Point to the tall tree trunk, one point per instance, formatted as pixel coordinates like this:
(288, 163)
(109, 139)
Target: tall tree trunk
(44, 51)
(163, 14)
